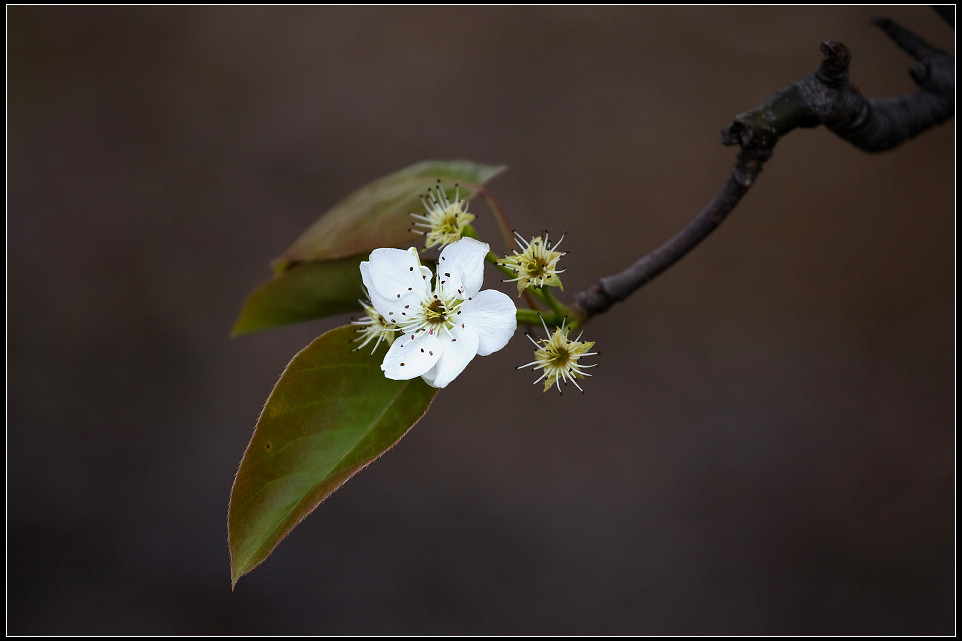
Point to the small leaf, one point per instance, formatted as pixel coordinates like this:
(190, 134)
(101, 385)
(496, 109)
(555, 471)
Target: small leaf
(331, 413)
(378, 214)
(306, 291)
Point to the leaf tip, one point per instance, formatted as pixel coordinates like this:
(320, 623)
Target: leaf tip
(237, 570)
(239, 329)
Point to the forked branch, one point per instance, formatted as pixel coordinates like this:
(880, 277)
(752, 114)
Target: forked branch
(826, 97)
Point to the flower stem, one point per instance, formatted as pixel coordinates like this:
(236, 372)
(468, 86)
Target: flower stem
(558, 308)
(498, 216)
(528, 317)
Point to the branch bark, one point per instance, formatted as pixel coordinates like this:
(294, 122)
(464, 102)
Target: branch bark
(826, 97)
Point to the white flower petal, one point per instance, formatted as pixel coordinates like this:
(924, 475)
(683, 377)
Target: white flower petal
(389, 308)
(461, 267)
(492, 315)
(412, 355)
(459, 349)
(395, 273)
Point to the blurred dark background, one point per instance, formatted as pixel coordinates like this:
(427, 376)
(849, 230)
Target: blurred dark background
(766, 447)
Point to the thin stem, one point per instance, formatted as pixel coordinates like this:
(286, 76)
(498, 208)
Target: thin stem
(499, 217)
(529, 317)
(558, 308)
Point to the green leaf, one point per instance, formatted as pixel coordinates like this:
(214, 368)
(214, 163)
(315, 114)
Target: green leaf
(331, 413)
(378, 214)
(304, 292)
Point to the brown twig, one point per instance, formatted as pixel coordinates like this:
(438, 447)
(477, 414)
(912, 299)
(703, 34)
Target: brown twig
(825, 97)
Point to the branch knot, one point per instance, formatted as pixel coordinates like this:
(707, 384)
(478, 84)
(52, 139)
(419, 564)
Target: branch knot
(833, 71)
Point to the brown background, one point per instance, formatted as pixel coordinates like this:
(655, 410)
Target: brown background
(766, 447)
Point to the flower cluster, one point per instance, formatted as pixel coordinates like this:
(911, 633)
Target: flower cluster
(536, 265)
(443, 221)
(558, 357)
(434, 325)
(441, 328)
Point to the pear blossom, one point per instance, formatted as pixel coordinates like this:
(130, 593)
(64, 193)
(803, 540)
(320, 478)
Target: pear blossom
(536, 265)
(443, 221)
(444, 326)
(558, 357)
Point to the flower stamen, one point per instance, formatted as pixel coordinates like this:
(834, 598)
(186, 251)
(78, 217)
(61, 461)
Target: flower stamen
(558, 358)
(536, 265)
(443, 221)
(374, 326)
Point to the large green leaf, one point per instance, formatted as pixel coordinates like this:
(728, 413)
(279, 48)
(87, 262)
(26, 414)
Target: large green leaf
(309, 290)
(378, 214)
(331, 413)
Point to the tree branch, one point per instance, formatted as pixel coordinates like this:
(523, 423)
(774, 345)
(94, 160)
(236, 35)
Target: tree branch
(825, 97)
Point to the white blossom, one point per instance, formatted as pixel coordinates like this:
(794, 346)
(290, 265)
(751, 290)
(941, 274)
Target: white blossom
(442, 326)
